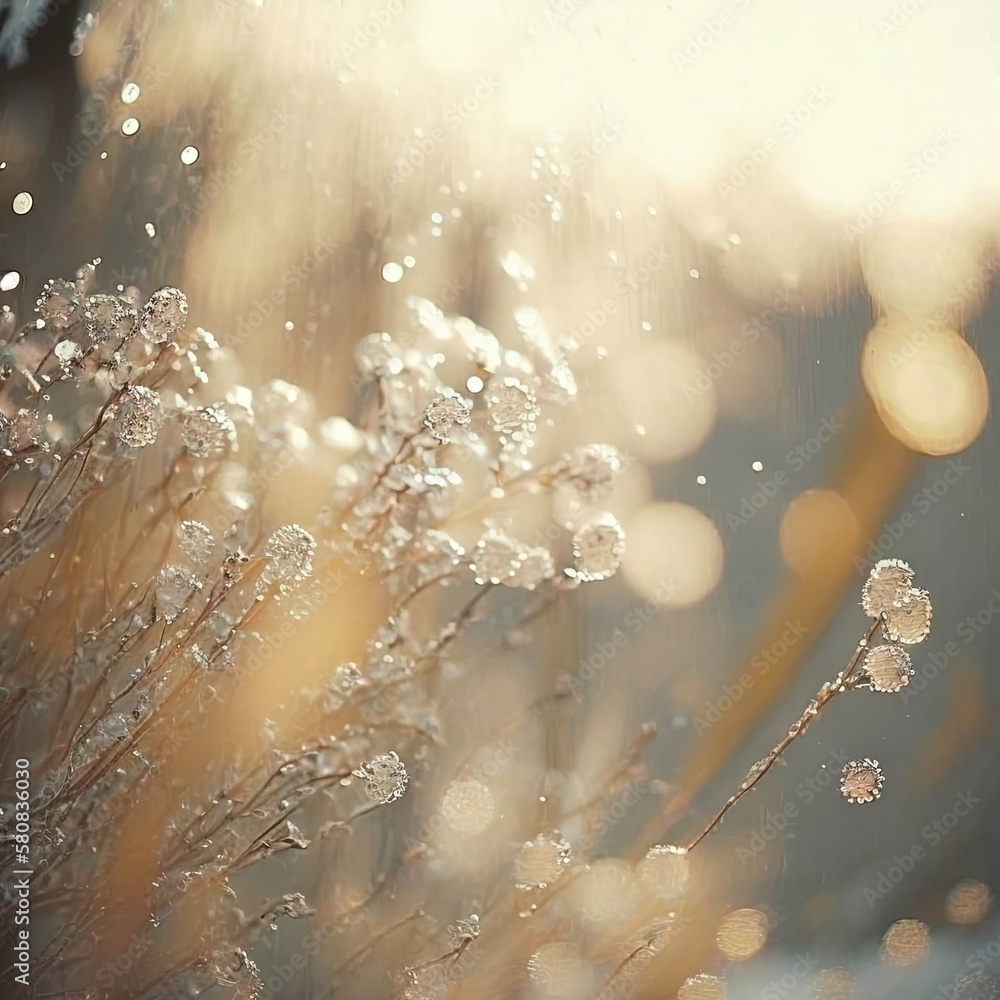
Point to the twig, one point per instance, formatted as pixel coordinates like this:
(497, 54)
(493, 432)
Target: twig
(826, 694)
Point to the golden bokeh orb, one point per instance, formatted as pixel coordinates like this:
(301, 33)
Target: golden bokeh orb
(665, 398)
(927, 384)
(674, 556)
(816, 526)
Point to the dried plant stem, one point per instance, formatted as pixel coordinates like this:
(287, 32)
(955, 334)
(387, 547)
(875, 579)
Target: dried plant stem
(825, 695)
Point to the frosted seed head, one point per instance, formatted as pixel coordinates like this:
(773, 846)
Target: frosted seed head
(535, 567)
(598, 549)
(174, 588)
(834, 984)
(512, 405)
(558, 970)
(140, 416)
(163, 316)
(207, 431)
(59, 304)
(702, 987)
(665, 871)
(889, 581)
(108, 317)
(496, 558)
(909, 619)
(347, 677)
(887, 668)
(378, 356)
(541, 861)
(445, 412)
(289, 551)
(906, 942)
(196, 542)
(591, 470)
(385, 777)
(862, 780)
(742, 934)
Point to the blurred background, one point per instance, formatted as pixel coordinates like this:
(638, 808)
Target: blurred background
(771, 229)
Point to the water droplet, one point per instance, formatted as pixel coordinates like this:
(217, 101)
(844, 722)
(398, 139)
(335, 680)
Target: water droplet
(702, 480)
(409, 261)
(189, 154)
(130, 126)
(392, 272)
(22, 203)
(758, 466)
(130, 93)
(150, 230)
(9, 281)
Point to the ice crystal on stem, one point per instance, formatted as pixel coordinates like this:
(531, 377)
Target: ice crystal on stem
(385, 777)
